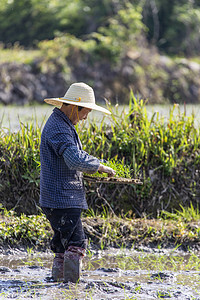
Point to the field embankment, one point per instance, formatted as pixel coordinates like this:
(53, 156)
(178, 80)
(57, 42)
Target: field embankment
(180, 230)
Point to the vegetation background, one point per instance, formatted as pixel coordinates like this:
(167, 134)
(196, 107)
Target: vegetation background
(150, 48)
(171, 26)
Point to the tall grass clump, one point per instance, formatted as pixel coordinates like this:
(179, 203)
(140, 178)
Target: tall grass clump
(163, 153)
(188, 214)
(20, 167)
(141, 142)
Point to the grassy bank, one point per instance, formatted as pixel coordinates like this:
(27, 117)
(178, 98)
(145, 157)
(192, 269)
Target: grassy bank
(178, 230)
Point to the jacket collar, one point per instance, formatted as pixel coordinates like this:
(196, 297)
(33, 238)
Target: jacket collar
(67, 120)
(63, 116)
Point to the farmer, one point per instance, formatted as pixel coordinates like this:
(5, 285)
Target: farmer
(62, 196)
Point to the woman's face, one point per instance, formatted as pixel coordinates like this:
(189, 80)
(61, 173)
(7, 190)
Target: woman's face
(80, 115)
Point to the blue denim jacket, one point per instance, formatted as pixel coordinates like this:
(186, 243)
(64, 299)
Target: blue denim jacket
(62, 163)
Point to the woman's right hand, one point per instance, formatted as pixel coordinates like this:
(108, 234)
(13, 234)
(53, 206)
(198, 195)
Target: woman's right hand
(105, 169)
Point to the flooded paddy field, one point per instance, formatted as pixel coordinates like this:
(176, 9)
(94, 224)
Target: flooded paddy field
(12, 116)
(106, 274)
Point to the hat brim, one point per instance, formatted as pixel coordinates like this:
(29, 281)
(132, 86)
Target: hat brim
(59, 101)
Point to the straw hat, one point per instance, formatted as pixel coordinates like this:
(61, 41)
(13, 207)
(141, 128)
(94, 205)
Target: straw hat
(79, 94)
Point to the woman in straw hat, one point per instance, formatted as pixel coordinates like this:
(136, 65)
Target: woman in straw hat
(62, 195)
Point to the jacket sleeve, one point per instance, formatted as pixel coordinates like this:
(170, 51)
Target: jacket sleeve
(80, 160)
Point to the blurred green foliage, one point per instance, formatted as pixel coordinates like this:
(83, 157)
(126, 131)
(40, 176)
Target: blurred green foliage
(109, 42)
(114, 24)
(173, 25)
(26, 21)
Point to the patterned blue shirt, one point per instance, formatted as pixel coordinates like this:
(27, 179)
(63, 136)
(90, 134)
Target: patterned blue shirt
(62, 163)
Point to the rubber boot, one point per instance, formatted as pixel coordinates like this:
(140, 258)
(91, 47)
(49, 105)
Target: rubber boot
(72, 263)
(58, 267)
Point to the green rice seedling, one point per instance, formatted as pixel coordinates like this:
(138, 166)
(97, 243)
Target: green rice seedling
(187, 214)
(193, 262)
(102, 244)
(29, 251)
(40, 262)
(90, 213)
(125, 294)
(90, 254)
(161, 295)
(121, 169)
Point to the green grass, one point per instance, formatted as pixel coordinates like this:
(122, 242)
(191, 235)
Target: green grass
(33, 230)
(135, 145)
(20, 153)
(188, 214)
(18, 54)
(107, 230)
(142, 142)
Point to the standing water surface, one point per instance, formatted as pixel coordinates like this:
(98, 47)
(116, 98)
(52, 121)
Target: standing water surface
(106, 274)
(11, 116)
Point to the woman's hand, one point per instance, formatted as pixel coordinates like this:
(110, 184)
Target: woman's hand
(105, 169)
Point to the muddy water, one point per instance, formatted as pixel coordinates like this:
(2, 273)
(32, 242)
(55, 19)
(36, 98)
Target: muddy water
(108, 274)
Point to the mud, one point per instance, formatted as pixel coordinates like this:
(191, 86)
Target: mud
(107, 274)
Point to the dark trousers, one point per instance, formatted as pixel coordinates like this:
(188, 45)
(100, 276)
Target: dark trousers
(67, 226)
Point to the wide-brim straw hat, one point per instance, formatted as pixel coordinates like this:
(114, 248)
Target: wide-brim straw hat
(79, 94)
